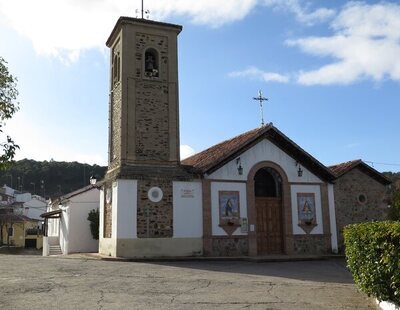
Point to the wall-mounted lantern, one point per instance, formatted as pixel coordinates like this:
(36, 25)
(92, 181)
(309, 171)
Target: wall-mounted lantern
(299, 171)
(93, 180)
(239, 166)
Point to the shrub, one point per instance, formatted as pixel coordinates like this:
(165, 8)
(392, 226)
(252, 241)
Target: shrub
(93, 218)
(394, 211)
(372, 252)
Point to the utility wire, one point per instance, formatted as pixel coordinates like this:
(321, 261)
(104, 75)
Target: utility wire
(376, 163)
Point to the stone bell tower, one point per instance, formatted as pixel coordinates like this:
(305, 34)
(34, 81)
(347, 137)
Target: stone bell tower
(144, 120)
(137, 204)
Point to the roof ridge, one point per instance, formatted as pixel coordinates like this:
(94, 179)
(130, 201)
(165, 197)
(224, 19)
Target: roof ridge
(346, 162)
(205, 158)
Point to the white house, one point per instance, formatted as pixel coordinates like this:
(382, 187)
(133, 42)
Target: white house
(67, 229)
(34, 207)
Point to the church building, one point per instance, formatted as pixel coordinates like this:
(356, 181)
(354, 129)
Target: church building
(258, 193)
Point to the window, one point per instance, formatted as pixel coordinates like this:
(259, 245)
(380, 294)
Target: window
(116, 64)
(11, 231)
(362, 199)
(267, 183)
(151, 63)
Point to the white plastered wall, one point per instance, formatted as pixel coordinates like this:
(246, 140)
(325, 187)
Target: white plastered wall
(64, 228)
(226, 186)
(124, 209)
(187, 212)
(332, 218)
(316, 189)
(265, 150)
(80, 238)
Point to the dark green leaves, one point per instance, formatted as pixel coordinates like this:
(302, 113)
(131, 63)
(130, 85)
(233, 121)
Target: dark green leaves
(8, 106)
(373, 257)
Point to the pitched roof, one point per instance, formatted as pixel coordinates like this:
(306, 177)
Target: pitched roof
(60, 199)
(12, 217)
(207, 158)
(343, 168)
(340, 169)
(216, 156)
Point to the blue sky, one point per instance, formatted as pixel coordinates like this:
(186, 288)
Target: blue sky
(331, 71)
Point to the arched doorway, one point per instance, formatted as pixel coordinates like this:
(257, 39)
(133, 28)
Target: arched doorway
(268, 203)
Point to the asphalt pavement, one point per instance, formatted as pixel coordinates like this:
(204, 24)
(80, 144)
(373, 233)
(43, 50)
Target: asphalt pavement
(35, 282)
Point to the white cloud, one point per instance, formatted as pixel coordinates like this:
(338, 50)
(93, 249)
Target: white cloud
(255, 73)
(365, 44)
(186, 151)
(64, 28)
(41, 144)
(302, 11)
(206, 12)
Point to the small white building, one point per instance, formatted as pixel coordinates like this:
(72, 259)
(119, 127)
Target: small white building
(34, 207)
(67, 229)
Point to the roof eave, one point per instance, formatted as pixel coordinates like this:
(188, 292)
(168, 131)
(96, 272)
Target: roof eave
(323, 172)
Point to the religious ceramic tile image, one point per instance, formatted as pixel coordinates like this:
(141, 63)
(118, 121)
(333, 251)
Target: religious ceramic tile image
(229, 205)
(306, 209)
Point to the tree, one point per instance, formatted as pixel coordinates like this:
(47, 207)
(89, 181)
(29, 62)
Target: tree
(8, 106)
(94, 219)
(394, 211)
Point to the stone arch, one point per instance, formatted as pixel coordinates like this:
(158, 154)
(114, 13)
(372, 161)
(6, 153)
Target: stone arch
(287, 229)
(151, 62)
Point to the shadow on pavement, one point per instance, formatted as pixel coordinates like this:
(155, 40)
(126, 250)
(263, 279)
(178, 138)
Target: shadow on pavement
(330, 271)
(19, 251)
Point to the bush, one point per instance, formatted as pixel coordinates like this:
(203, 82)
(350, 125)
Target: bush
(394, 211)
(93, 218)
(372, 252)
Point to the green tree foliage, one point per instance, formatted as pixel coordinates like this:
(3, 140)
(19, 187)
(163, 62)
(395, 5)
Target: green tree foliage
(8, 106)
(94, 219)
(373, 257)
(49, 178)
(394, 211)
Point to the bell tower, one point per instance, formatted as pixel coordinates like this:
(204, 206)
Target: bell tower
(144, 173)
(144, 108)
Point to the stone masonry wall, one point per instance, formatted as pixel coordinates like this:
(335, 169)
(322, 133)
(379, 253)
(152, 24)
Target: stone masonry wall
(311, 244)
(107, 214)
(115, 124)
(230, 246)
(152, 121)
(349, 209)
(152, 102)
(160, 43)
(157, 216)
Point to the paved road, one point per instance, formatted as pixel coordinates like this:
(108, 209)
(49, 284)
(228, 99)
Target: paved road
(34, 282)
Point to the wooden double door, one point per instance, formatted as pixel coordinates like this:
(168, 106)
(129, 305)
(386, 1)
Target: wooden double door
(269, 225)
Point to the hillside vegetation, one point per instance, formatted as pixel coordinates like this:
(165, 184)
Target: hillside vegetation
(64, 177)
(49, 178)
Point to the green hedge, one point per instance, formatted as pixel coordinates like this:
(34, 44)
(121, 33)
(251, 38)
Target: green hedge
(373, 257)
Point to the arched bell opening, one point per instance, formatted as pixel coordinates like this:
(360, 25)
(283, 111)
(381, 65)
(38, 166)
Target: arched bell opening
(151, 63)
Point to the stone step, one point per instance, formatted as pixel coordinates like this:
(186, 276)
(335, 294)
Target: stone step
(55, 250)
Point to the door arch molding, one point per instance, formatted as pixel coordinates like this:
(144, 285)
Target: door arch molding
(287, 230)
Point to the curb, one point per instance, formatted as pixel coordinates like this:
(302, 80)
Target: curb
(211, 259)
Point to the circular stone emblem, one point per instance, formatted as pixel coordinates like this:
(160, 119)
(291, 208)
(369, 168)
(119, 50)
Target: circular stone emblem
(155, 194)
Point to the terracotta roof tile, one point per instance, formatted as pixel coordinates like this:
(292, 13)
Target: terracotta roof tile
(213, 155)
(219, 154)
(342, 168)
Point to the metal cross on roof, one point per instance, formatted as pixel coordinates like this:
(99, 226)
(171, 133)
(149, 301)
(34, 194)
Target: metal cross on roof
(261, 99)
(147, 12)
